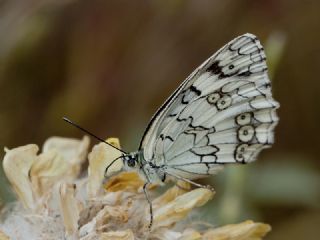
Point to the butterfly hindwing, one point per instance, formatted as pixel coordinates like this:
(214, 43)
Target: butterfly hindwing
(222, 113)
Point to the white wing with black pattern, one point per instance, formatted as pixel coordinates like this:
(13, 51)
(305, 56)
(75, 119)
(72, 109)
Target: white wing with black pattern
(222, 113)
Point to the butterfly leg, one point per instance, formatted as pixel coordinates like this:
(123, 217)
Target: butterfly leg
(150, 203)
(192, 182)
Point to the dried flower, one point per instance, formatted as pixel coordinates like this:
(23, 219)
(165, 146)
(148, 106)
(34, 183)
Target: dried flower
(54, 203)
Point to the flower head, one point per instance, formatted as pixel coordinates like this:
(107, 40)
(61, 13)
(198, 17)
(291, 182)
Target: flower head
(55, 202)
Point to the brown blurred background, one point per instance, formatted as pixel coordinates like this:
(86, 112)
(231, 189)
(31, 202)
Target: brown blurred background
(108, 65)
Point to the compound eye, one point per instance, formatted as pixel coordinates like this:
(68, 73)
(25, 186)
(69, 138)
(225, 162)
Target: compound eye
(131, 162)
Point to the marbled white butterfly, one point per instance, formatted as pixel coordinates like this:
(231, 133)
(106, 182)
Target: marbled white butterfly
(222, 113)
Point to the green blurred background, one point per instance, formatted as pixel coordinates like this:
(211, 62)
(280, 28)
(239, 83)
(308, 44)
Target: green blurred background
(108, 65)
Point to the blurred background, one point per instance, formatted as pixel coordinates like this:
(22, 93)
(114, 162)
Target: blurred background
(108, 65)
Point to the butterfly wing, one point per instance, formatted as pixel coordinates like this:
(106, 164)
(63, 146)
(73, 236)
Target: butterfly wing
(222, 113)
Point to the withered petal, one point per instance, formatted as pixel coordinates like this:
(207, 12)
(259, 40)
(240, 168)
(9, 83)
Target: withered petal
(73, 151)
(128, 181)
(16, 165)
(190, 234)
(117, 235)
(99, 158)
(49, 168)
(70, 208)
(177, 209)
(172, 193)
(3, 236)
(247, 230)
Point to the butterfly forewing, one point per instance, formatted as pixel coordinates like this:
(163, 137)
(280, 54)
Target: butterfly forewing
(222, 113)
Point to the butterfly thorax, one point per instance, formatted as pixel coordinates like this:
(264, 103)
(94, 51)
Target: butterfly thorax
(146, 169)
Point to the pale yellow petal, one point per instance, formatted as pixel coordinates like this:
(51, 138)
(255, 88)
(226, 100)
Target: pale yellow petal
(89, 212)
(112, 154)
(115, 214)
(190, 234)
(70, 208)
(3, 236)
(247, 230)
(129, 181)
(16, 165)
(46, 171)
(165, 234)
(73, 151)
(117, 235)
(100, 157)
(177, 209)
(103, 219)
(171, 194)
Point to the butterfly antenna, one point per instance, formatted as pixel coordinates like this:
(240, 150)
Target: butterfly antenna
(91, 134)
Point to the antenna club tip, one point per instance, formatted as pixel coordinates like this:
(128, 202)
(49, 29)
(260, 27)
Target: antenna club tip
(66, 119)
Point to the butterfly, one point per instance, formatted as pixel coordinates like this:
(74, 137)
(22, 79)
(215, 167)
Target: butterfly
(222, 113)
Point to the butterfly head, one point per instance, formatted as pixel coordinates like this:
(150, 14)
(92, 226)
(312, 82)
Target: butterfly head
(130, 161)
